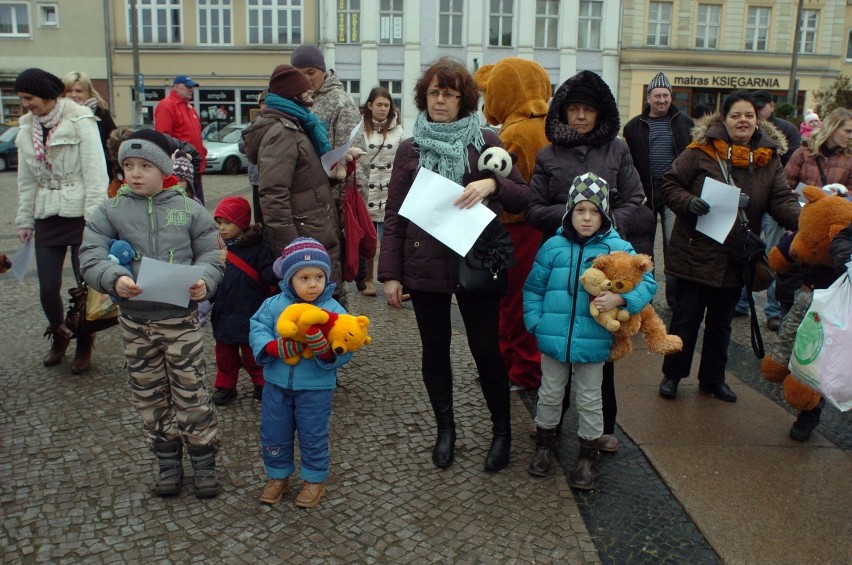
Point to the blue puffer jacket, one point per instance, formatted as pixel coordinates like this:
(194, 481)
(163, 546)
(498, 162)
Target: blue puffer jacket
(307, 374)
(556, 306)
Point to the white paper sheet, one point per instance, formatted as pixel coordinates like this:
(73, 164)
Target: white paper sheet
(329, 159)
(165, 282)
(21, 260)
(723, 200)
(429, 204)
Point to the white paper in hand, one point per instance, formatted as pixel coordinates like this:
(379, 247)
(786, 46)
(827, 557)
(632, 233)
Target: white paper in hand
(166, 282)
(429, 204)
(723, 200)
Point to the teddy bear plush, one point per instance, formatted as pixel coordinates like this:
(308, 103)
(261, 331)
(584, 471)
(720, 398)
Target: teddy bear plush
(344, 332)
(594, 281)
(625, 271)
(823, 217)
(121, 252)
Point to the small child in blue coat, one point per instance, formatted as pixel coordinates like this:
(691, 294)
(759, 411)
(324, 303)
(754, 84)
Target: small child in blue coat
(296, 398)
(556, 311)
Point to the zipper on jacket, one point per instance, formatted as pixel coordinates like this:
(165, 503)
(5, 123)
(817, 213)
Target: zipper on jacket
(292, 376)
(152, 224)
(573, 304)
(171, 256)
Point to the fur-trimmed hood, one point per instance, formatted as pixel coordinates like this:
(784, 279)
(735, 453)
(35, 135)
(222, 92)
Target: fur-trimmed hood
(607, 126)
(711, 126)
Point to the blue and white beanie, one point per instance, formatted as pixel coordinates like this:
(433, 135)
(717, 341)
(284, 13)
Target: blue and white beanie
(300, 253)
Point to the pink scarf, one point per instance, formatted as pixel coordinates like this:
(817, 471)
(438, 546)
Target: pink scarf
(47, 122)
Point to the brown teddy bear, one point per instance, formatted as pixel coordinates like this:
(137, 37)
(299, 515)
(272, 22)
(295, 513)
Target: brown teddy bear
(625, 271)
(822, 217)
(595, 282)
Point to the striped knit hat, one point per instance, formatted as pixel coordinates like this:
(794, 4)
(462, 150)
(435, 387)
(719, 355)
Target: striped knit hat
(300, 253)
(660, 81)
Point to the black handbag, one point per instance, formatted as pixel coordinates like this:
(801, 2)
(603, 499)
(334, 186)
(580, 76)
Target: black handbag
(76, 320)
(484, 270)
(749, 251)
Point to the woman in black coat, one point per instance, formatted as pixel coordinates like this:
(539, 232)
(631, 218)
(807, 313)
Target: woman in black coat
(79, 88)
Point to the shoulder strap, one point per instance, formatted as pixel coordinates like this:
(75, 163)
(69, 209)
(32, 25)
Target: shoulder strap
(822, 174)
(245, 267)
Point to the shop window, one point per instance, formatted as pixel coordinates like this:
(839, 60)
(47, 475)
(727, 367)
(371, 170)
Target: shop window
(158, 21)
(546, 23)
(353, 87)
(589, 35)
(500, 20)
(348, 21)
(757, 29)
(48, 15)
(390, 22)
(215, 22)
(807, 38)
(14, 19)
(707, 33)
(659, 24)
(275, 22)
(450, 22)
(395, 89)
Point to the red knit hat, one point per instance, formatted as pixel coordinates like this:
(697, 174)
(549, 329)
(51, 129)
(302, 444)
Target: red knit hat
(236, 210)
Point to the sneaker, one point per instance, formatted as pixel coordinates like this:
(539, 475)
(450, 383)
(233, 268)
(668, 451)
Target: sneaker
(608, 443)
(517, 388)
(772, 324)
(275, 489)
(741, 313)
(258, 393)
(310, 495)
(224, 396)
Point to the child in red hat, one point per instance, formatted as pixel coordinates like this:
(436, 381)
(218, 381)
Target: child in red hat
(246, 284)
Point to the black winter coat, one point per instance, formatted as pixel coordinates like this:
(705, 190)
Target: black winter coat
(841, 249)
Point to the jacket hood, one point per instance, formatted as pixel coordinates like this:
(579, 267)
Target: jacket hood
(513, 89)
(607, 127)
(712, 127)
(253, 135)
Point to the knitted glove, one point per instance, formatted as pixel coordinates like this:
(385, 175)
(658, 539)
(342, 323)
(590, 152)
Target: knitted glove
(698, 206)
(284, 348)
(319, 344)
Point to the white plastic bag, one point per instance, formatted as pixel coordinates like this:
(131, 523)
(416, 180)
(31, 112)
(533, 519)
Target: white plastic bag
(822, 353)
(22, 259)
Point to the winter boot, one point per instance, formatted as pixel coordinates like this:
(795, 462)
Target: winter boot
(369, 287)
(61, 338)
(542, 461)
(445, 442)
(206, 480)
(169, 456)
(83, 354)
(804, 425)
(583, 475)
(497, 399)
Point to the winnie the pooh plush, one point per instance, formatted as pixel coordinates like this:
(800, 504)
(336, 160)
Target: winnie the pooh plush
(595, 282)
(823, 216)
(625, 271)
(344, 332)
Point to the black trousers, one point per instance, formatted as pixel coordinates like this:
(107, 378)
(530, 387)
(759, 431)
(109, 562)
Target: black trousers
(715, 306)
(49, 264)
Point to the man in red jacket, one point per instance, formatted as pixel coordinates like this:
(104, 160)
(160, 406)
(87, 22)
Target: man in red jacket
(175, 116)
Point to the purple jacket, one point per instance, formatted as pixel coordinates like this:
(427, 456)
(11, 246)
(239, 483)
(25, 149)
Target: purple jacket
(412, 256)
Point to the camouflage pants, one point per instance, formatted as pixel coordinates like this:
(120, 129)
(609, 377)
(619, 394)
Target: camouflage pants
(166, 364)
(781, 347)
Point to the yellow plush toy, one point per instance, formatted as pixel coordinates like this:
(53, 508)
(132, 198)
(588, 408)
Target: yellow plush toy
(344, 332)
(625, 271)
(595, 282)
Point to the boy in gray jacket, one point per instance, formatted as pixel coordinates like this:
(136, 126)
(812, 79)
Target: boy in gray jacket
(162, 342)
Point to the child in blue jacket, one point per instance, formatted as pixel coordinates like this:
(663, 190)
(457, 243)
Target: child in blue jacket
(296, 398)
(556, 311)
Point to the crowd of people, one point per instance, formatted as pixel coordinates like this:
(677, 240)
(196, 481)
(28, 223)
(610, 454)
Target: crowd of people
(577, 190)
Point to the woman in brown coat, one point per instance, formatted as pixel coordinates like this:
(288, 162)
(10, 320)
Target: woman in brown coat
(730, 144)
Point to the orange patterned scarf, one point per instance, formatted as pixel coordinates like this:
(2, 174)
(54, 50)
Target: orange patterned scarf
(739, 155)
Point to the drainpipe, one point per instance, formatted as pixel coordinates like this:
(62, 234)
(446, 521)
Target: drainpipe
(108, 51)
(792, 94)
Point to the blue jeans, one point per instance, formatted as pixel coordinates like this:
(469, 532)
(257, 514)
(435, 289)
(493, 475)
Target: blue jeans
(772, 233)
(284, 413)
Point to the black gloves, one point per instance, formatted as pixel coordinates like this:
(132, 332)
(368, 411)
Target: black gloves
(698, 207)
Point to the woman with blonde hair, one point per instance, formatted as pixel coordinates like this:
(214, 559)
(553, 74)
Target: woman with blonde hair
(826, 157)
(79, 88)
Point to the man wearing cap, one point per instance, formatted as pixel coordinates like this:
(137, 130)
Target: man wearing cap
(655, 137)
(175, 116)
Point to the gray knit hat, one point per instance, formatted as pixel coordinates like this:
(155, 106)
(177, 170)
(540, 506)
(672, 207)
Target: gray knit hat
(308, 56)
(660, 81)
(591, 187)
(148, 144)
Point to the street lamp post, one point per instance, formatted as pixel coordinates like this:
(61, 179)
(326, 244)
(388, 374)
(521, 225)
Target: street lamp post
(792, 94)
(138, 87)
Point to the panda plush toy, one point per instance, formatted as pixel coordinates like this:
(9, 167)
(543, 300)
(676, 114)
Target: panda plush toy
(496, 160)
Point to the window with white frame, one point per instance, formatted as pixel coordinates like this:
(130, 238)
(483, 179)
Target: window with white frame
(757, 29)
(450, 22)
(589, 24)
(14, 19)
(348, 21)
(48, 15)
(353, 87)
(500, 20)
(275, 22)
(807, 38)
(215, 22)
(707, 32)
(659, 24)
(546, 23)
(395, 89)
(159, 21)
(390, 22)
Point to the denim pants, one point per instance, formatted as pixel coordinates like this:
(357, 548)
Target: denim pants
(587, 393)
(285, 413)
(715, 306)
(772, 233)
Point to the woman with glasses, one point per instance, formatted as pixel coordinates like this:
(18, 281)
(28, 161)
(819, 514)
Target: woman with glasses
(447, 139)
(383, 133)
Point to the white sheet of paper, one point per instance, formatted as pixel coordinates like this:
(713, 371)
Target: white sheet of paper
(165, 282)
(723, 200)
(329, 159)
(429, 204)
(21, 260)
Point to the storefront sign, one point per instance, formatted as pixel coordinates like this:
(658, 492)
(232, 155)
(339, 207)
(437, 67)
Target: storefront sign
(249, 95)
(150, 94)
(216, 96)
(726, 81)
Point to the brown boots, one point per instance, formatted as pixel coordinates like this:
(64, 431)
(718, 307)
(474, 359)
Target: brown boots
(583, 475)
(60, 337)
(369, 287)
(542, 461)
(83, 354)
